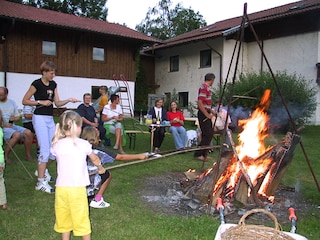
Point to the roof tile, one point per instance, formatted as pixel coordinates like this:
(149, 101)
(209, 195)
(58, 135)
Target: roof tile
(43, 16)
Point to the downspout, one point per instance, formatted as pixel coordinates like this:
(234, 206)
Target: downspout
(261, 59)
(220, 68)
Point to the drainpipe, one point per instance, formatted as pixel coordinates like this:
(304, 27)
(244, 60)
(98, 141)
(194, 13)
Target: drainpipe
(261, 58)
(220, 57)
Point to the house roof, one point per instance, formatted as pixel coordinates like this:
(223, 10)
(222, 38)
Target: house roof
(219, 28)
(26, 13)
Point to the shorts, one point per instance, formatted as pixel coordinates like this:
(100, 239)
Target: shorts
(29, 125)
(113, 128)
(72, 211)
(8, 132)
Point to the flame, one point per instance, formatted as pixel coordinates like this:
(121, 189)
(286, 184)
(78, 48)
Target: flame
(247, 159)
(251, 139)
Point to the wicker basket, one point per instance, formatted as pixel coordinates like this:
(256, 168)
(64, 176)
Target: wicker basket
(255, 232)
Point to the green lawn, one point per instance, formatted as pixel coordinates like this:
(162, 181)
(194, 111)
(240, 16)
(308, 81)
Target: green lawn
(30, 213)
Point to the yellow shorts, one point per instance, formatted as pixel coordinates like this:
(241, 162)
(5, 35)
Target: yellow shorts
(72, 211)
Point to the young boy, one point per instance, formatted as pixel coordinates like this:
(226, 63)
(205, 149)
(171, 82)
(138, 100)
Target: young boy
(100, 182)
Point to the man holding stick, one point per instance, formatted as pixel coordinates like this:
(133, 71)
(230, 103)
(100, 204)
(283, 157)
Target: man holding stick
(205, 113)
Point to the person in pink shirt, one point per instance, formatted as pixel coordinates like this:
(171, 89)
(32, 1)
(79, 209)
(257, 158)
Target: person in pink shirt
(72, 177)
(176, 118)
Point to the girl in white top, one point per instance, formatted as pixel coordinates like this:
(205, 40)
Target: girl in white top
(72, 177)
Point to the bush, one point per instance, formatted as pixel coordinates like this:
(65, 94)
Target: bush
(298, 95)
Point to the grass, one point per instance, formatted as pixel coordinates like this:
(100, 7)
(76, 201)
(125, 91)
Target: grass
(30, 213)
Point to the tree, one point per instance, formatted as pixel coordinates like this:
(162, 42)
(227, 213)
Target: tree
(85, 8)
(298, 93)
(163, 22)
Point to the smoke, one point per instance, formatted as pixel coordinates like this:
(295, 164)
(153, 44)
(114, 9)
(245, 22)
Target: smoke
(279, 116)
(277, 113)
(238, 114)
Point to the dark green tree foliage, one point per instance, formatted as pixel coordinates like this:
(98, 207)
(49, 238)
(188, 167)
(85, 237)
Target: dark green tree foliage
(172, 97)
(141, 90)
(163, 22)
(85, 8)
(299, 97)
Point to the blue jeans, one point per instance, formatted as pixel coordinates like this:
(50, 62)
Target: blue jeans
(179, 136)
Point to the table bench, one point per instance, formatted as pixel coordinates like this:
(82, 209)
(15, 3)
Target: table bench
(132, 134)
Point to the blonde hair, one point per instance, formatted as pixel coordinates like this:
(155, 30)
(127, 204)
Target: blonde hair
(90, 134)
(67, 126)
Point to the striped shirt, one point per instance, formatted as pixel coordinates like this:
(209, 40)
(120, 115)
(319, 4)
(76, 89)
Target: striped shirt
(204, 94)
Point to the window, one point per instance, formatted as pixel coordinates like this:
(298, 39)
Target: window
(98, 54)
(174, 64)
(183, 99)
(95, 93)
(49, 48)
(205, 58)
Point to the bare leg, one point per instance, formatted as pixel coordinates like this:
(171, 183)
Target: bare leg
(41, 169)
(120, 143)
(86, 237)
(104, 186)
(118, 136)
(28, 138)
(10, 144)
(66, 236)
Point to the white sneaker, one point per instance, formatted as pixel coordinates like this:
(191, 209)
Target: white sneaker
(100, 204)
(45, 187)
(47, 176)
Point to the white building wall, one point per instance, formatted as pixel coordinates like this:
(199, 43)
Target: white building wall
(19, 83)
(190, 76)
(294, 54)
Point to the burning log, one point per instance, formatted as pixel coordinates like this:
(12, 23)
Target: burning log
(265, 174)
(251, 172)
(201, 188)
(284, 155)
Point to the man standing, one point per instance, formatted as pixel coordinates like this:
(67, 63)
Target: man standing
(11, 132)
(205, 113)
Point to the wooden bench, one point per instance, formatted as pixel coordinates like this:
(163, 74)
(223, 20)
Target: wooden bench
(192, 119)
(217, 138)
(132, 134)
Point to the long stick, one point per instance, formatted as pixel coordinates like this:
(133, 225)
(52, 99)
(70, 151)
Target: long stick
(24, 167)
(158, 156)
